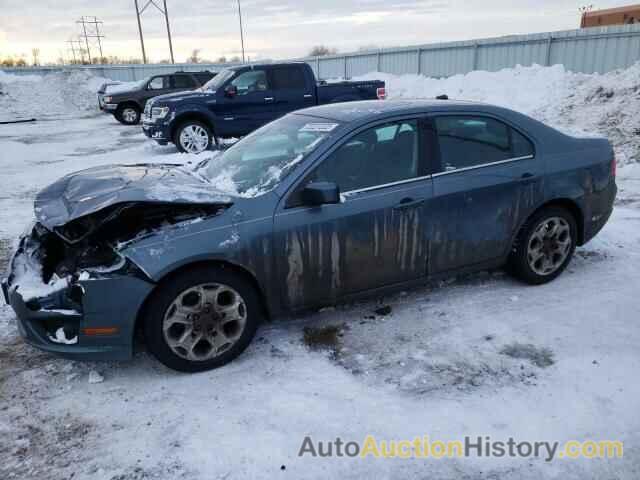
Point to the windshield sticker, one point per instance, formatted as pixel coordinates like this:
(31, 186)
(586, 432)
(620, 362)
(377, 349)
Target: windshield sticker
(319, 127)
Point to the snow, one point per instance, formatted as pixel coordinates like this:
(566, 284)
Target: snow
(29, 279)
(61, 337)
(481, 355)
(95, 377)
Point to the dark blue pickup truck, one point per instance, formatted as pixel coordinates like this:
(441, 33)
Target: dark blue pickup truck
(241, 99)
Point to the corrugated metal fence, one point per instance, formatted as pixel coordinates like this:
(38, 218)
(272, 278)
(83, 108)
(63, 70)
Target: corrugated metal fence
(590, 50)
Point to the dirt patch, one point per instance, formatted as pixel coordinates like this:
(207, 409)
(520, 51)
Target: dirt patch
(323, 338)
(540, 357)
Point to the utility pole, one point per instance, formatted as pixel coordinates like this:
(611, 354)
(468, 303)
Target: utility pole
(241, 30)
(163, 11)
(72, 43)
(86, 38)
(91, 34)
(166, 17)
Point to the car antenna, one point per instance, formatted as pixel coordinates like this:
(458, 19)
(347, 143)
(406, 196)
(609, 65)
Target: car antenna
(442, 97)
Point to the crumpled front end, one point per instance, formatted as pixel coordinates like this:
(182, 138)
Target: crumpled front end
(78, 301)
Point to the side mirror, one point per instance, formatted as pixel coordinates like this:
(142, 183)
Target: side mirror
(321, 193)
(231, 91)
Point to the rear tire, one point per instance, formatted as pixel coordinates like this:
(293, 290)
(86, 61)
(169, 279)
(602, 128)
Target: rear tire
(128, 114)
(193, 136)
(201, 318)
(544, 247)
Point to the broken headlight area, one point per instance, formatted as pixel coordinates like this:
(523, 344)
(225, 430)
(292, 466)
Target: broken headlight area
(124, 222)
(89, 246)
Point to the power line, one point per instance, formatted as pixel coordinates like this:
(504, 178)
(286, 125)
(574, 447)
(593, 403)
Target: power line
(72, 43)
(91, 33)
(163, 10)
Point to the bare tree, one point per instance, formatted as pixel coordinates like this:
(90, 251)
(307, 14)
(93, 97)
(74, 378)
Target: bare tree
(195, 56)
(36, 56)
(321, 51)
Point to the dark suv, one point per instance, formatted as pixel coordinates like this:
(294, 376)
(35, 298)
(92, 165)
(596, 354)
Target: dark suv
(127, 103)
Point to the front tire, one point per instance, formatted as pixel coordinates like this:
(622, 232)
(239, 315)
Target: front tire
(193, 136)
(544, 246)
(128, 114)
(201, 319)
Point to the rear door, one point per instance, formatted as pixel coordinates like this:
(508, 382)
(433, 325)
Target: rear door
(375, 237)
(252, 107)
(487, 179)
(291, 90)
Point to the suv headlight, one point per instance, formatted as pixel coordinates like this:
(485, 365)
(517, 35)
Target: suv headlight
(107, 99)
(159, 112)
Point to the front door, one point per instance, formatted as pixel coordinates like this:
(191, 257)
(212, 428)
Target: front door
(375, 237)
(250, 108)
(158, 85)
(487, 180)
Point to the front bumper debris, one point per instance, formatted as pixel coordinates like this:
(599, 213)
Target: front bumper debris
(70, 318)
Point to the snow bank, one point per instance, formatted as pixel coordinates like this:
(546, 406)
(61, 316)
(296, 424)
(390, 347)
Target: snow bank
(577, 104)
(54, 95)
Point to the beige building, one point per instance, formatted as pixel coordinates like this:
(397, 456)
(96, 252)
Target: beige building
(611, 16)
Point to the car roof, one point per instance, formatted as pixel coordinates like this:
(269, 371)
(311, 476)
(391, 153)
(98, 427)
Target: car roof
(371, 109)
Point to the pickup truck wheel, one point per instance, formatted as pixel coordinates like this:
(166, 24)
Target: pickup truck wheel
(544, 246)
(201, 319)
(193, 137)
(128, 114)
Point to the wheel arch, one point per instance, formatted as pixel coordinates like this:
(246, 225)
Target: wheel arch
(568, 204)
(238, 269)
(187, 116)
(130, 103)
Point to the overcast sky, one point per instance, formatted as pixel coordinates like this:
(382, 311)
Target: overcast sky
(275, 28)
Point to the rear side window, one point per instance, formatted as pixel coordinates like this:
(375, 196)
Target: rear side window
(288, 78)
(203, 77)
(467, 141)
(520, 145)
(183, 81)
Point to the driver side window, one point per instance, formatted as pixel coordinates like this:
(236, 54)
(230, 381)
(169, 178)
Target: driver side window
(251, 81)
(378, 156)
(159, 83)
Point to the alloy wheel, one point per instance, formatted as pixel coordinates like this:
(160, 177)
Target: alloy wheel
(549, 245)
(194, 139)
(130, 115)
(204, 321)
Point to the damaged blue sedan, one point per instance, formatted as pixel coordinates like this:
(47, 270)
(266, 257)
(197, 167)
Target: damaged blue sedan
(323, 205)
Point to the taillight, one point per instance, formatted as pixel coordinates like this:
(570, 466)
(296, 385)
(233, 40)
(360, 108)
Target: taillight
(382, 93)
(614, 166)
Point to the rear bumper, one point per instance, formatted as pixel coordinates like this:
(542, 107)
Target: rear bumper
(79, 308)
(601, 208)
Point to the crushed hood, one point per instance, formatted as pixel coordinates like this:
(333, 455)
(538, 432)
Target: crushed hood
(89, 191)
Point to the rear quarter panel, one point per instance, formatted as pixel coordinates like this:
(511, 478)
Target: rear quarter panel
(581, 172)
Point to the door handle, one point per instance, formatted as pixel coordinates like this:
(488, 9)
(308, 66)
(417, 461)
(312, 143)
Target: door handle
(308, 95)
(407, 203)
(268, 99)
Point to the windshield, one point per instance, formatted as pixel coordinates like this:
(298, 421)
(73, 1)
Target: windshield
(258, 162)
(219, 80)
